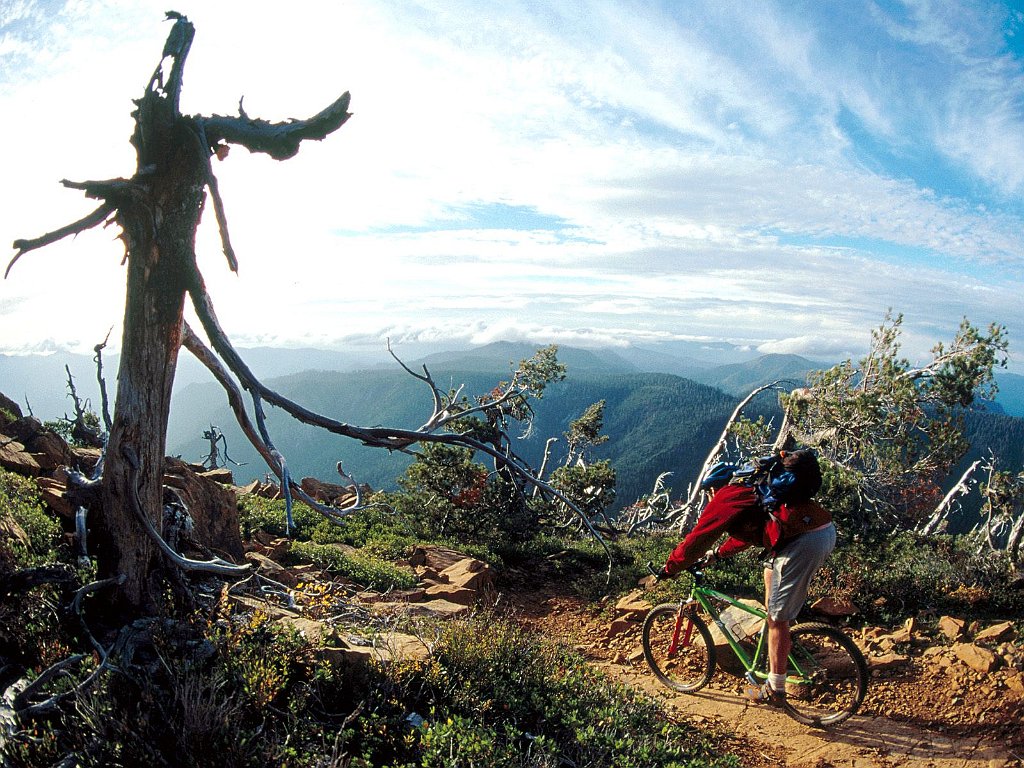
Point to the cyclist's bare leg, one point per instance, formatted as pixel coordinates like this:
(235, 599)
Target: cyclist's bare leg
(779, 641)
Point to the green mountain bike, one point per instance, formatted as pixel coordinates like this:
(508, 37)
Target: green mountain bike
(827, 677)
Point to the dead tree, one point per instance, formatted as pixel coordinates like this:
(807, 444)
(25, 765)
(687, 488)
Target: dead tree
(216, 440)
(82, 431)
(158, 210)
(949, 503)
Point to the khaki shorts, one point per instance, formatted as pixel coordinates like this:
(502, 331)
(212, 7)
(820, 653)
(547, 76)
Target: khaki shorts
(792, 569)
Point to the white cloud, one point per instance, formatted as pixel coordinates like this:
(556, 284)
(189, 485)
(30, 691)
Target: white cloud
(698, 161)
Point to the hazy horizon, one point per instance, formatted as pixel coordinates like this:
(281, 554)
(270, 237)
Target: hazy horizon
(773, 176)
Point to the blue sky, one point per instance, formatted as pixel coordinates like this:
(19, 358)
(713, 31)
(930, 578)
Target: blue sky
(773, 175)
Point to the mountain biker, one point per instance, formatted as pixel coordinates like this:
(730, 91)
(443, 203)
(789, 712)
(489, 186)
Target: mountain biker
(781, 516)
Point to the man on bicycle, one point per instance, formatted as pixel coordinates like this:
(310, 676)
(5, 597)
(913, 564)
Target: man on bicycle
(779, 515)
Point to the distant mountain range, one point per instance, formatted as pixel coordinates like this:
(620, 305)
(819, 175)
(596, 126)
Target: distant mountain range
(657, 419)
(657, 422)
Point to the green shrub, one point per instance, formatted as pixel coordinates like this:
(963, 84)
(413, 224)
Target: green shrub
(904, 574)
(228, 705)
(446, 496)
(508, 697)
(359, 567)
(19, 497)
(247, 691)
(377, 527)
(256, 513)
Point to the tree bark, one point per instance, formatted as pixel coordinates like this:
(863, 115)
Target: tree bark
(160, 238)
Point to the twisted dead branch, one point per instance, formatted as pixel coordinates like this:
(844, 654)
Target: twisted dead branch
(685, 515)
(215, 566)
(389, 438)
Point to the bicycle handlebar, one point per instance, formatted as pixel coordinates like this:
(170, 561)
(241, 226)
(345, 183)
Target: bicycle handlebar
(696, 570)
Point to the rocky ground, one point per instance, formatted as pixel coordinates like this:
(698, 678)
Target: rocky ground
(943, 693)
(946, 692)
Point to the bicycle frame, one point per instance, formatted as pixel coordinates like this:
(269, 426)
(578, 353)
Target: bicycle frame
(703, 596)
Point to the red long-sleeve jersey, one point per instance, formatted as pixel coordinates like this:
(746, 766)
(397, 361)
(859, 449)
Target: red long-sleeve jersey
(734, 510)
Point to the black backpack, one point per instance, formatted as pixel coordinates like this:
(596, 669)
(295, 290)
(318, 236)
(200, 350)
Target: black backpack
(787, 476)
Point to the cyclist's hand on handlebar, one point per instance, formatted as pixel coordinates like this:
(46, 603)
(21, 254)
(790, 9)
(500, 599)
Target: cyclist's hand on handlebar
(706, 562)
(658, 573)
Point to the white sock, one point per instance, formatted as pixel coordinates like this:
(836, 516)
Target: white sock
(777, 682)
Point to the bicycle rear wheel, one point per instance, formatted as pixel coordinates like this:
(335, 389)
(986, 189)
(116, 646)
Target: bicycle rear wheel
(683, 657)
(827, 677)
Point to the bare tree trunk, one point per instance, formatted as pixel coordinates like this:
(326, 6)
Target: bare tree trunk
(160, 262)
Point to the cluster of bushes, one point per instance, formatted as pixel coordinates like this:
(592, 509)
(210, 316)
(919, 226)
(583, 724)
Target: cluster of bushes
(244, 691)
(371, 540)
(887, 577)
(32, 632)
(19, 502)
(904, 574)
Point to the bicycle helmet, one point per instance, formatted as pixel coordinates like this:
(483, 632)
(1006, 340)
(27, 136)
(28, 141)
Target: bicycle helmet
(717, 475)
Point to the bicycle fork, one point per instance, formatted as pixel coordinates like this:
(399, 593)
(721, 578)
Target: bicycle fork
(687, 633)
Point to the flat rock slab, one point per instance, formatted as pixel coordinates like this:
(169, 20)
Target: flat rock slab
(441, 609)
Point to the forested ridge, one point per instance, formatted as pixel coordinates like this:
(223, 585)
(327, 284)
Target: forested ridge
(655, 422)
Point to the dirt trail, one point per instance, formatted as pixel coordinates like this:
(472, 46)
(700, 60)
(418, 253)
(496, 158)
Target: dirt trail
(865, 741)
(925, 728)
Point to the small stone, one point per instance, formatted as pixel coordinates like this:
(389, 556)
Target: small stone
(906, 633)
(977, 658)
(950, 627)
(889, 661)
(1015, 683)
(469, 573)
(633, 605)
(452, 593)
(994, 634)
(618, 627)
(834, 606)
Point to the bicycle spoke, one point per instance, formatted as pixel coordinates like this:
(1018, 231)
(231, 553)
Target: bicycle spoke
(827, 678)
(681, 654)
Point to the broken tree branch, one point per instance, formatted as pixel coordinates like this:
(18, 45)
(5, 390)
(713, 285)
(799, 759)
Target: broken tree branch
(218, 202)
(379, 437)
(104, 403)
(279, 140)
(686, 514)
(88, 222)
(272, 458)
(945, 507)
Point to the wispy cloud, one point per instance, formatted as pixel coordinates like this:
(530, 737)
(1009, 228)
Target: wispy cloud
(774, 174)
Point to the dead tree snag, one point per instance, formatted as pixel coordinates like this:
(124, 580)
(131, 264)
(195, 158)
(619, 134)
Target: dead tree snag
(158, 210)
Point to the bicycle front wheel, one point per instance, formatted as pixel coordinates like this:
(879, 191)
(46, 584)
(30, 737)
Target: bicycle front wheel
(827, 677)
(678, 647)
